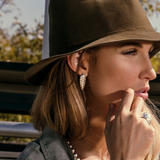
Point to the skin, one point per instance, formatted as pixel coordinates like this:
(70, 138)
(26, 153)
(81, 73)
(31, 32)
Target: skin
(118, 66)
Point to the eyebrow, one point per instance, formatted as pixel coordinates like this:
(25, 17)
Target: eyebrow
(130, 44)
(133, 44)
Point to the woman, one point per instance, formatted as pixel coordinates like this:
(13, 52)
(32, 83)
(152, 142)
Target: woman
(107, 44)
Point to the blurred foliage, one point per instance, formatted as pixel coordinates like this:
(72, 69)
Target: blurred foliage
(156, 62)
(15, 140)
(15, 117)
(23, 46)
(151, 6)
(6, 6)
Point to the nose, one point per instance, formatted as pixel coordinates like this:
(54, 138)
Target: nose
(147, 72)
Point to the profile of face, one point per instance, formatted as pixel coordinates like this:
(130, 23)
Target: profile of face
(118, 66)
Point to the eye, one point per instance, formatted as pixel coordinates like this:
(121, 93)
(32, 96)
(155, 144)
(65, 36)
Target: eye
(131, 52)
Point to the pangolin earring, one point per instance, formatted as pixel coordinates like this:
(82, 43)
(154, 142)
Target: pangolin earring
(82, 81)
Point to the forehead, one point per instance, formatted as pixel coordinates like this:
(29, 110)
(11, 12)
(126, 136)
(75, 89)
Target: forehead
(122, 44)
(118, 45)
(134, 43)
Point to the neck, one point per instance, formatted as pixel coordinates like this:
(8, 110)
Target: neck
(93, 146)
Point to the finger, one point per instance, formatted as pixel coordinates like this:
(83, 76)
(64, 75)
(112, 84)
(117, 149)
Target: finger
(127, 100)
(110, 116)
(138, 105)
(145, 122)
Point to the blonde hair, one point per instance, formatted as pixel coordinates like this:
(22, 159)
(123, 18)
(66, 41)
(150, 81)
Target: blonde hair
(60, 104)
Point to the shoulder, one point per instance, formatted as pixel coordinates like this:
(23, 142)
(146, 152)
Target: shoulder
(32, 152)
(49, 146)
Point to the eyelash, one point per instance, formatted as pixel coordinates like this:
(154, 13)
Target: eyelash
(132, 52)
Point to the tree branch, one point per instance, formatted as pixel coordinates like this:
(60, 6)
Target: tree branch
(2, 4)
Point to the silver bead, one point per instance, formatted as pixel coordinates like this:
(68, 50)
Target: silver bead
(73, 151)
(75, 155)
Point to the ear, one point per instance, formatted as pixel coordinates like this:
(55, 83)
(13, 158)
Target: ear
(78, 63)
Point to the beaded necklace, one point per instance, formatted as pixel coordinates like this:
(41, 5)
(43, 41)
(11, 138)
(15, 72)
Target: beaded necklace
(76, 155)
(73, 151)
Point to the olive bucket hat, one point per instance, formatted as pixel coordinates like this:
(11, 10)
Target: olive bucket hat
(80, 24)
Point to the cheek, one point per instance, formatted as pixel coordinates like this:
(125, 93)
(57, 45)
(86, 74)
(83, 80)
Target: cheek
(109, 80)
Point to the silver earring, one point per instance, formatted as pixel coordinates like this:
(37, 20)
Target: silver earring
(82, 81)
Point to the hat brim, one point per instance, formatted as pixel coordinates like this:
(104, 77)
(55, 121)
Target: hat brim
(36, 74)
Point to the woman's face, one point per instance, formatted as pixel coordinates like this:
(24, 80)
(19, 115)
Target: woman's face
(119, 66)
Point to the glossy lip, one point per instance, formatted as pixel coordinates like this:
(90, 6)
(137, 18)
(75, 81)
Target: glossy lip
(143, 92)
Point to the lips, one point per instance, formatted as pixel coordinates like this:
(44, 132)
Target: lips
(143, 92)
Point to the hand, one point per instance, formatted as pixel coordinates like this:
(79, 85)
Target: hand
(128, 136)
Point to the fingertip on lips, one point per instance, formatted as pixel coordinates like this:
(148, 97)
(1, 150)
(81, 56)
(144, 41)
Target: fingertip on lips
(136, 96)
(130, 90)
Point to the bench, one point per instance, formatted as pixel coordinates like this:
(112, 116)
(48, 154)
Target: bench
(16, 97)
